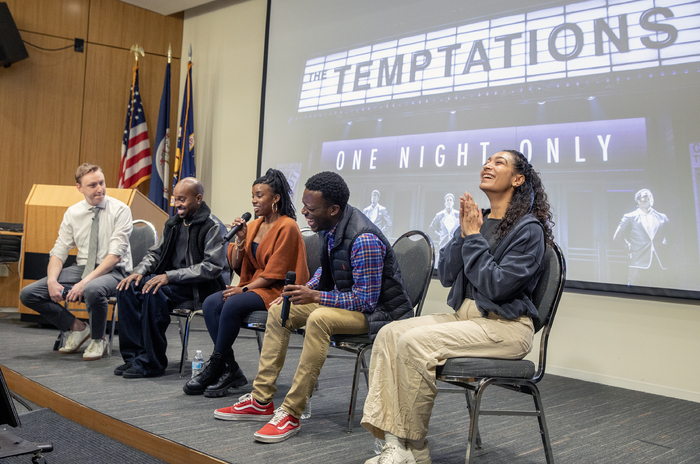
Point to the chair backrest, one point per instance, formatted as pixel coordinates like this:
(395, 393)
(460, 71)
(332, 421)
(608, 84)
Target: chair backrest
(143, 237)
(313, 249)
(416, 256)
(546, 297)
(10, 248)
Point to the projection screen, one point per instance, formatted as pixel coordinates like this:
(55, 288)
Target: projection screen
(406, 99)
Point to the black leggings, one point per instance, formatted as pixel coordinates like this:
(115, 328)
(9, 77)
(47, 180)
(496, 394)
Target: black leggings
(224, 318)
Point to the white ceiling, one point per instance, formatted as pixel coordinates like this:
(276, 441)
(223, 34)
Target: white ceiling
(167, 7)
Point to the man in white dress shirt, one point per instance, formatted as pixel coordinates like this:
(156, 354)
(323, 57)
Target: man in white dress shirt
(100, 227)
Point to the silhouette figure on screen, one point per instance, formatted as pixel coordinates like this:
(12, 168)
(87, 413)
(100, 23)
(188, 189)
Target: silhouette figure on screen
(644, 230)
(444, 223)
(378, 213)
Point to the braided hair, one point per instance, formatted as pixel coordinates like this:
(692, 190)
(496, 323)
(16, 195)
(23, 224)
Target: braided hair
(528, 197)
(279, 186)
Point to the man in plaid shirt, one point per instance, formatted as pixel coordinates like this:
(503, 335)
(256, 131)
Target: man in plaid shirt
(357, 290)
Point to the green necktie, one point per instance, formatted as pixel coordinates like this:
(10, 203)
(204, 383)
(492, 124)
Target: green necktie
(92, 249)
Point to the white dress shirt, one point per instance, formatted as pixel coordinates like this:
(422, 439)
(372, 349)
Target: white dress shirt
(113, 238)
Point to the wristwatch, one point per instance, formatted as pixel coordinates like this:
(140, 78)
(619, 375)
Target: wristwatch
(245, 289)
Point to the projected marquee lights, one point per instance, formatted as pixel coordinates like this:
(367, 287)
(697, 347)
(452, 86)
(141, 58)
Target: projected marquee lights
(579, 39)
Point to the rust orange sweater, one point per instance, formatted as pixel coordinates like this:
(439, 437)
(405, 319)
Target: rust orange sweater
(281, 250)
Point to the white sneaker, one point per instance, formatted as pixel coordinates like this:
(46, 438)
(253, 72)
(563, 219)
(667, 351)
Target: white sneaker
(95, 350)
(392, 454)
(75, 340)
(422, 455)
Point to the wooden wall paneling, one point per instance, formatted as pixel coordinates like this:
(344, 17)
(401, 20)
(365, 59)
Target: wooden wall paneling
(60, 18)
(40, 110)
(121, 25)
(107, 84)
(8, 287)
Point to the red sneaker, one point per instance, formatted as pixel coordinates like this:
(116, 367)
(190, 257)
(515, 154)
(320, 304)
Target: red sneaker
(280, 427)
(247, 408)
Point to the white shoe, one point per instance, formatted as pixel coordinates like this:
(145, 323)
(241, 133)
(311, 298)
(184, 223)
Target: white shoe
(75, 340)
(392, 454)
(95, 350)
(422, 455)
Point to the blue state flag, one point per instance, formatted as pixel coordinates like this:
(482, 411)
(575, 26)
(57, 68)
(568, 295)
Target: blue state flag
(160, 173)
(184, 151)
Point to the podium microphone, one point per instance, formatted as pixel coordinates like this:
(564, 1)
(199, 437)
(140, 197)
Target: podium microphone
(291, 278)
(236, 228)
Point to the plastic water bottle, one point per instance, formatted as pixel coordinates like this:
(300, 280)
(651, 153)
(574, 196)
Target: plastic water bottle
(307, 410)
(197, 363)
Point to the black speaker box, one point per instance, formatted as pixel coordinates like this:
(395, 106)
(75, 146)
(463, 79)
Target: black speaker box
(11, 46)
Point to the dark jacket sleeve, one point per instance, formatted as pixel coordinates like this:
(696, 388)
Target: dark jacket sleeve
(149, 263)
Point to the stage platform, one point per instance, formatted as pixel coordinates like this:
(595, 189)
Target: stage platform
(588, 423)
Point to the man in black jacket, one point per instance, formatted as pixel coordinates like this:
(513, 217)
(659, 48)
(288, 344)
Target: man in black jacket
(358, 289)
(186, 266)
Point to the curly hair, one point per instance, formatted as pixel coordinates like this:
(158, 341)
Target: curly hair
(332, 187)
(280, 186)
(529, 197)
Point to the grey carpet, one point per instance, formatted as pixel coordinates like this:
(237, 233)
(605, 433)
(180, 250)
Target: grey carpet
(588, 423)
(73, 443)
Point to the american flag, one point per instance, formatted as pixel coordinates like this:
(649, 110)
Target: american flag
(135, 166)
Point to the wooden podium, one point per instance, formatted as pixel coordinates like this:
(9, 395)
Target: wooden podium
(43, 213)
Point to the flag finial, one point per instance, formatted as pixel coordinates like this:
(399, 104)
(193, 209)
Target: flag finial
(136, 49)
(170, 52)
(190, 54)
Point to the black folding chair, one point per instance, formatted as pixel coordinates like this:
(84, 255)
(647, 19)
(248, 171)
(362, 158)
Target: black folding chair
(415, 254)
(522, 376)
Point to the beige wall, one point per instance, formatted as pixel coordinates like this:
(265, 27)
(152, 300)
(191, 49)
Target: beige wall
(227, 40)
(632, 343)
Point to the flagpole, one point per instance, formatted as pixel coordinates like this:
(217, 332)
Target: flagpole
(135, 49)
(137, 171)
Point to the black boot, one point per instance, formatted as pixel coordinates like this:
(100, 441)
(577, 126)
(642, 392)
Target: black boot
(232, 377)
(209, 375)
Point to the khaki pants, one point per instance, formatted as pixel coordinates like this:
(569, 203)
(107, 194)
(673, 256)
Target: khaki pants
(405, 354)
(321, 322)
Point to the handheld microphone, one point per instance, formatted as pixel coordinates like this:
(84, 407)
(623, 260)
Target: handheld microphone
(236, 228)
(291, 278)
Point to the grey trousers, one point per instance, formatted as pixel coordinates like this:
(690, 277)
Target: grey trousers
(36, 296)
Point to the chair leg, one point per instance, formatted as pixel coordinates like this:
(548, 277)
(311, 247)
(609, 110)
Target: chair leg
(544, 432)
(111, 332)
(181, 330)
(185, 336)
(259, 337)
(474, 420)
(59, 341)
(365, 368)
(468, 394)
(359, 361)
